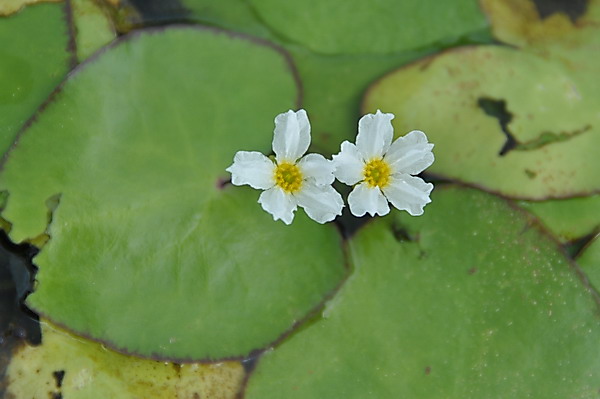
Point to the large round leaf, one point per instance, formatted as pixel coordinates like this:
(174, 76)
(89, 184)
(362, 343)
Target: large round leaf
(355, 26)
(473, 101)
(149, 252)
(470, 300)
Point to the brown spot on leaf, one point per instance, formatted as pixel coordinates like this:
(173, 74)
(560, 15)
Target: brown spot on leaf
(59, 375)
(427, 370)
(222, 183)
(401, 234)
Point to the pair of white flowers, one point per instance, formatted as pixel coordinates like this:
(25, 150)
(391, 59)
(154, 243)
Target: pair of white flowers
(379, 170)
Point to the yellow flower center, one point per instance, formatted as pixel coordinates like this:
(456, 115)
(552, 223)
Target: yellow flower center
(288, 177)
(377, 173)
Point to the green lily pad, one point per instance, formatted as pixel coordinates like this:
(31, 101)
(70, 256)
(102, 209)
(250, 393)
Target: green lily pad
(149, 252)
(236, 15)
(359, 27)
(33, 60)
(332, 85)
(589, 260)
(332, 91)
(568, 219)
(470, 100)
(92, 27)
(470, 300)
(68, 366)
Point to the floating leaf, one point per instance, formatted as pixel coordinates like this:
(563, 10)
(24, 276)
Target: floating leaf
(508, 121)
(236, 15)
(522, 23)
(569, 35)
(68, 366)
(359, 27)
(149, 252)
(333, 88)
(332, 85)
(33, 60)
(568, 219)
(470, 300)
(8, 7)
(93, 28)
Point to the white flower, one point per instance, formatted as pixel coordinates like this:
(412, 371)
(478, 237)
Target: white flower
(383, 169)
(293, 180)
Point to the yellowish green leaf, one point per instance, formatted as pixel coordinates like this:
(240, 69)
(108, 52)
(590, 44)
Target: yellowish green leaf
(73, 367)
(93, 27)
(8, 7)
(505, 120)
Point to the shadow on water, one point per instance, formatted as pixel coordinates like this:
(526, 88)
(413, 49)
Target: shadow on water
(18, 324)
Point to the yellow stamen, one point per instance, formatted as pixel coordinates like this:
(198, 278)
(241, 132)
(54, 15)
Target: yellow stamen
(288, 177)
(377, 173)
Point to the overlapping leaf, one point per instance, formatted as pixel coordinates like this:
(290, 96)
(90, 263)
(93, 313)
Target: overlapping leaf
(470, 300)
(92, 27)
(359, 27)
(568, 219)
(471, 101)
(9, 7)
(33, 60)
(333, 83)
(71, 367)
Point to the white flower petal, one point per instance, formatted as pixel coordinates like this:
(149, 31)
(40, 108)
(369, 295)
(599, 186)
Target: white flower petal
(408, 193)
(252, 168)
(375, 134)
(348, 164)
(365, 199)
(279, 204)
(315, 166)
(292, 135)
(410, 154)
(321, 203)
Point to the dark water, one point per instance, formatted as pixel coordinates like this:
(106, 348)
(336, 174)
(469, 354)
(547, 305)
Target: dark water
(18, 325)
